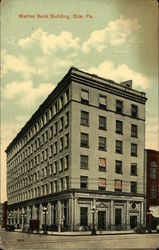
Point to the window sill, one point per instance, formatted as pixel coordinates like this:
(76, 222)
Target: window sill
(86, 125)
(119, 173)
(104, 129)
(102, 149)
(134, 155)
(118, 152)
(120, 133)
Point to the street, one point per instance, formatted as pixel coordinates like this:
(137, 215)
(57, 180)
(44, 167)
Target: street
(18, 240)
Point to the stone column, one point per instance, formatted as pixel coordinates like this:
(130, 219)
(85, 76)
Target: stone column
(59, 215)
(40, 216)
(34, 212)
(28, 217)
(49, 213)
(127, 218)
(70, 211)
(141, 213)
(18, 216)
(112, 214)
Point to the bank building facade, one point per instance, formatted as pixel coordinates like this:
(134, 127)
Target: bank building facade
(80, 155)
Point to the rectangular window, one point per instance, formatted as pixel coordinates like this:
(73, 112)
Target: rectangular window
(55, 129)
(61, 165)
(66, 119)
(55, 148)
(66, 140)
(51, 151)
(119, 127)
(50, 112)
(55, 167)
(133, 187)
(102, 122)
(84, 182)
(118, 167)
(119, 147)
(61, 184)
(84, 162)
(51, 132)
(102, 183)
(134, 169)
(84, 96)
(84, 140)
(46, 136)
(84, 216)
(133, 130)
(102, 164)
(119, 107)
(102, 102)
(84, 118)
(61, 102)
(118, 185)
(102, 143)
(55, 107)
(67, 182)
(61, 144)
(153, 192)
(66, 161)
(55, 186)
(134, 111)
(153, 172)
(133, 149)
(61, 123)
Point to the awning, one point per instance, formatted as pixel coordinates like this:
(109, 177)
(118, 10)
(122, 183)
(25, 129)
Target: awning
(154, 211)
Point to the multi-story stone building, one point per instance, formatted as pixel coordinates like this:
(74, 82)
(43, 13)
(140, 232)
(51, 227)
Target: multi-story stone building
(152, 166)
(82, 149)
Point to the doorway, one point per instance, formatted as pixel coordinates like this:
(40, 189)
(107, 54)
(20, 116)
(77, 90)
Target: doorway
(102, 219)
(133, 221)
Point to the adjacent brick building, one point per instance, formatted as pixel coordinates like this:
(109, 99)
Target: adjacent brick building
(82, 149)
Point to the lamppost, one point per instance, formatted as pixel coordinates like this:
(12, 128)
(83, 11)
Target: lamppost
(45, 226)
(93, 211)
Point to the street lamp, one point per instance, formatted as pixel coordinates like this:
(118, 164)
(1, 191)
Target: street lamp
(149, 221)
(93, 211)
(45, 212)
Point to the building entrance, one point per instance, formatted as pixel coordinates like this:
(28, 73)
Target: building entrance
(133, 221)
(102, 219)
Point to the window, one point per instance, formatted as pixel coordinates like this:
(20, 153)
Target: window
(84, 216)
(50, 112)
(55, 148)
(51, 132)
(67, 119)
(102, 102)
(61, 165)
(61, 123)
(55, 167)
(84, 182)
(61, 184)
(46, 154)
(67, 95)
(118, 185)
(55, 186)
(84, 118)
(134, 111)
(102, 122)
(133, 130)
(46, 136)
(67, 182)
(118, 167)
(119, 127)
(84, 162)
(45, 118)
(119, 107)
(133, 149)
(102, 164)
(133, 187)
(66, 161)
(84, 140)
(51, 151)
(153, 192)
(55, 108)
(84, 96)
(61, 102)
(66, 140)
(102, 143)
(61, 144)
(153, 170)
(102, 183)
(133, 169)
(55, 128)
(119, 147)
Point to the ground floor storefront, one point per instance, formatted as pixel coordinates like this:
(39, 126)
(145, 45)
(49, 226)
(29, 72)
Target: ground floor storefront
(76, 210)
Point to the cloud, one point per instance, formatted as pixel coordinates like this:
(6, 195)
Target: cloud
(115, 33)
(122, 72)
(152, 133)
(25, 94)
(16, 64)
(51, 42)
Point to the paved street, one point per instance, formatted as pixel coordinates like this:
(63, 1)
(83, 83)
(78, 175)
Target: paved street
(15, 240)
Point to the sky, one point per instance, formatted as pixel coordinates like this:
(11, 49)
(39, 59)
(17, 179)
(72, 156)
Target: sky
(42, 39)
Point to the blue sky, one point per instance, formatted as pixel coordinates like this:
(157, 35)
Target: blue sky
(115, 39)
